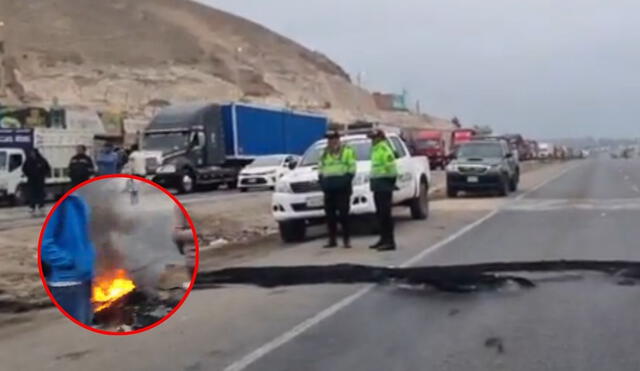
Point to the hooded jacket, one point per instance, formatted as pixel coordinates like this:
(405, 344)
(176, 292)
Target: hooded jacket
(66, 246)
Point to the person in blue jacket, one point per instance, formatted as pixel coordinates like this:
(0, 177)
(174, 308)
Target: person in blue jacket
(108, 160)
(68, 258)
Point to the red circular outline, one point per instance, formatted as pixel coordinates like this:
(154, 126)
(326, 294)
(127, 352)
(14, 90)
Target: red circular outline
(184, 212)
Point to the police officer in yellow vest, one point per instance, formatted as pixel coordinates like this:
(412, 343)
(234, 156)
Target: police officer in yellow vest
(384, 174)
(336, 172)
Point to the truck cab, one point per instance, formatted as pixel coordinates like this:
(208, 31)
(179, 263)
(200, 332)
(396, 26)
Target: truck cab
(11, 161)
(183, 147)
(298, 200)
(432, 144)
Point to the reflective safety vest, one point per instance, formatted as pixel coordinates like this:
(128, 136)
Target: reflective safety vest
(383, 161)
(340, 164)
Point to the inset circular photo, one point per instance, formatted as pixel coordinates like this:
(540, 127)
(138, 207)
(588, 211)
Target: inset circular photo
(118, 254)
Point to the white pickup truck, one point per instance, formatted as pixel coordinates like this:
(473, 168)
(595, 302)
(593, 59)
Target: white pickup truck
(298, 200)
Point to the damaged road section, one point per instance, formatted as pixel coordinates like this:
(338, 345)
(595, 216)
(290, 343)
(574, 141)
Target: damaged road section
(451, 278)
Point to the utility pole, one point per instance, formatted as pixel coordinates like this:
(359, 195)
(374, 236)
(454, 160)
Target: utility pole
(3, 74)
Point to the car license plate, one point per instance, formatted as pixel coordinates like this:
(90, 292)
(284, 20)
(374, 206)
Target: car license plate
(315, 201)
(472, 179)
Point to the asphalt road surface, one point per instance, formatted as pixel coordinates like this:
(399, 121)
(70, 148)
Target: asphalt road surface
(578, 210)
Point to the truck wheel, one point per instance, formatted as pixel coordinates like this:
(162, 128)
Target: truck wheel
(292, 231)
(503, 187)
(420, 205)
(452, 192)
(20, 197)
(187, 182)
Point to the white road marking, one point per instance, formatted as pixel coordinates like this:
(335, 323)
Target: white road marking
(272, 345)
(635, 188)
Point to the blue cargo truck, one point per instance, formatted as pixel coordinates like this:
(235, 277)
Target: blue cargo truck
(186, 146)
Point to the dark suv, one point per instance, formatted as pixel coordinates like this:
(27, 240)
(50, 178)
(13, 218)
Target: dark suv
(483, 165)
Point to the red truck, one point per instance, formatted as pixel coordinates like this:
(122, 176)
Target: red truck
(459, 136)
(431, 143)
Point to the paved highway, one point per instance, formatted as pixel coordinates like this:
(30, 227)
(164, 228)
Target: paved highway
(579, 210)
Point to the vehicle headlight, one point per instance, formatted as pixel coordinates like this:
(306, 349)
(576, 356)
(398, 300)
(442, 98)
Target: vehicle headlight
(452, 168)
(283, 187)
(166, 169)
(495, 167)
(361, 179)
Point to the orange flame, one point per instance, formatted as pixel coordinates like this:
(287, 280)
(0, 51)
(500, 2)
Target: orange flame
(108, 288)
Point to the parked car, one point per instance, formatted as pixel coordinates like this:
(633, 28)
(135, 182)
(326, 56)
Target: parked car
(265, 171)
(483, 165)
(298, 200)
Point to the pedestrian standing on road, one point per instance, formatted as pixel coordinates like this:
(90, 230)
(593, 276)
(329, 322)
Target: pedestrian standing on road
(384, 174)
(80, 167)
(68, 258)
(108, 160)
(336, 172)
(184, 240)
(36, 169)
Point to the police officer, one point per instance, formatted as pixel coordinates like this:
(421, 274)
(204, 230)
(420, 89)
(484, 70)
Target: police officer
(337, 169)
(81, 166)
(383, 177)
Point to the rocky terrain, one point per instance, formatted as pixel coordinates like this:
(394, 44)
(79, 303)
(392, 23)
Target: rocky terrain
(135, 55)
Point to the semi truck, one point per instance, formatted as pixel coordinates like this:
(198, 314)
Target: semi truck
(208, 144)
(56, 145)
(434, 144)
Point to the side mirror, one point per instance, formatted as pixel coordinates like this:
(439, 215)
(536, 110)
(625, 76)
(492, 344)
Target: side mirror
(292, 165)
(508, 155)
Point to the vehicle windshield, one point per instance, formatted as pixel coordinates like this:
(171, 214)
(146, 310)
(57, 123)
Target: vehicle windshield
(166, 142)
(266, 161)
(427, 144)
(480, 150)
(3, 161)
(362, 147)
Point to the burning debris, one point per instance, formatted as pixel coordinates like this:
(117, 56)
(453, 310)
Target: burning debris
(119, 306)
(108, 289)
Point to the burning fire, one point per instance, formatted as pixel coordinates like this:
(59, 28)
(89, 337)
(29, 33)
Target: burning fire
(108, 288)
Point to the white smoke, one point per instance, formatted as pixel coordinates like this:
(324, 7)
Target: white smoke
(130, 235)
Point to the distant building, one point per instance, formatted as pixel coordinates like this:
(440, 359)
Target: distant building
(390, 102)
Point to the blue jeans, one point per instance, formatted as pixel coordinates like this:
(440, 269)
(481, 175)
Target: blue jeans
(75, 300)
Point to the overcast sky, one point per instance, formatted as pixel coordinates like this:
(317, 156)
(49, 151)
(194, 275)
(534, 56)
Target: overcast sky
(546, 68)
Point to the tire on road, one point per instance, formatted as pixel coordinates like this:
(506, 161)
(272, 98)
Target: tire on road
(292, 231)
(187, 182)
(420, 205)
(452, 192)
(513, 184)
(503, 187)
(20, 197)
